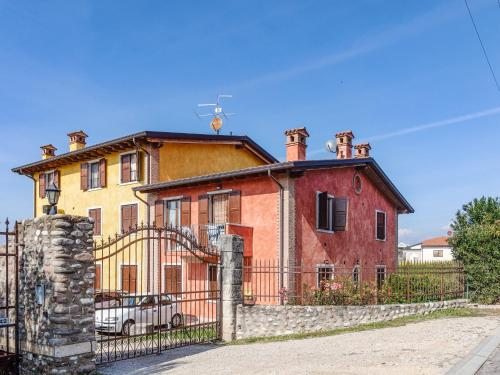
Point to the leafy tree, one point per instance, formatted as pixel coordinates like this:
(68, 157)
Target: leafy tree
(476, 243)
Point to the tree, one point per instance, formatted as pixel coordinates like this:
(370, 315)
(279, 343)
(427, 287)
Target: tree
(476, 243)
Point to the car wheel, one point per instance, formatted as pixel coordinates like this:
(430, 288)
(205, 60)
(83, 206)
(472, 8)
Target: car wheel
(176, 320)
(127, 327)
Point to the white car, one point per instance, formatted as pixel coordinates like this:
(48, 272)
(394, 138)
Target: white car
(140, 310)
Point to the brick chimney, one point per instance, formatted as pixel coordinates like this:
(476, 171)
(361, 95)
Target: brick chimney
(77, 140)
(296, 144)
(344, 144)
(362, 150)
(48, 151)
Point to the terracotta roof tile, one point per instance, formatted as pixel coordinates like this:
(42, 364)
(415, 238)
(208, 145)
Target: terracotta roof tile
(436, 241)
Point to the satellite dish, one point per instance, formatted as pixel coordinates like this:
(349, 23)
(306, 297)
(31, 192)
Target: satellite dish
(331, 146)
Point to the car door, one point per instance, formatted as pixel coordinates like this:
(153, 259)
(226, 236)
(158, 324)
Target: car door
(149, 310)
(166, 309)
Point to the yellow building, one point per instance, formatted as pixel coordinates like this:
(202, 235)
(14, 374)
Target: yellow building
(97, 180)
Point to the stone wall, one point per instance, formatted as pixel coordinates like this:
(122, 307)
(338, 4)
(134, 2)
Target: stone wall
(57, 331)
(272, 320)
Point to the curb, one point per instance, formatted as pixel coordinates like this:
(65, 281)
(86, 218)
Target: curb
(476, 358)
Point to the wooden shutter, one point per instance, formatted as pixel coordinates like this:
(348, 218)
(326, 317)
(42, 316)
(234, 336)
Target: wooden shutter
(97, 280)
(129, 278)
(102, 172)
(95, 214)
(323, 210)
(125, 168)
(203, 209)
(339, 214)
(186, 212)
(41, 185)
(57, 179)
(159, 213)
(173, 279)
(125, 218)
(138, 165)
(235, 207)
(84, 179)
(133, 216)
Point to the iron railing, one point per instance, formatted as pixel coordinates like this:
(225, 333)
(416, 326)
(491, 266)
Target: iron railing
(265, 282)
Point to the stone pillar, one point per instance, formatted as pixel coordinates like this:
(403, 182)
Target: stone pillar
(56, 297)
(231, 247)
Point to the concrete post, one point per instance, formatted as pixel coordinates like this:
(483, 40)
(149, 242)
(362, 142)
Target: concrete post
(56, 296)
(231, 247)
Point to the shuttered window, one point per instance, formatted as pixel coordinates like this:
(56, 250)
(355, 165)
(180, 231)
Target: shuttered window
(46, 179)
(95, 213)
(212, 282)
(219, 209)
(93, 175)
(331, 212)
(186, 211)
(128, 217)
(340, 214)
(129, 278)
(380, 225)
(129, 168)
(173, 279)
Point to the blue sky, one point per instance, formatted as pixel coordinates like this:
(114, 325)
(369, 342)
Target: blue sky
(377, 67)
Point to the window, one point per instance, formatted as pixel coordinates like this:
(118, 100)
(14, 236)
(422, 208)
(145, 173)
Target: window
(128, 217)
(129, 278)
(325, 273)
(437, 253)
(173, 279)
(46, 179)
(355, 275)
(219, 209)
(128, 165)
(331, 212)
(381, 226)
(380, 276)
(173, 212)
(94, 176)
(95, 213)
(213, 286)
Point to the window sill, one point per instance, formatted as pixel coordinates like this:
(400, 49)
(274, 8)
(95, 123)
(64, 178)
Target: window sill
(94, 189)
(325, 231)
(128, 183)
(378, 239)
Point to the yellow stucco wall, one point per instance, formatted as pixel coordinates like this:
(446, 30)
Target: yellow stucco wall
(180, 160)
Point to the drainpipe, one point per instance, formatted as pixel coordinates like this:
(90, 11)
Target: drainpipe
(148, 207)
(281, 255)
(34, 190)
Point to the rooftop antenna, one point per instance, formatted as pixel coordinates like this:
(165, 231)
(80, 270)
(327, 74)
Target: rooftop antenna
(218, 113)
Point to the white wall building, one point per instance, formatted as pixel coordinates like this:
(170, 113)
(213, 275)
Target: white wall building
(411, 253)
(436, 250)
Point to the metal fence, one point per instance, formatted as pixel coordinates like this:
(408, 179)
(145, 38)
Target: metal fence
(267, 282)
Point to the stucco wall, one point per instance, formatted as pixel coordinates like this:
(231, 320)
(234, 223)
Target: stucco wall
(428, 254)
(358, 242)
(262, 321)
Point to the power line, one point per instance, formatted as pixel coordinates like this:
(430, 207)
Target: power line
(482, 45)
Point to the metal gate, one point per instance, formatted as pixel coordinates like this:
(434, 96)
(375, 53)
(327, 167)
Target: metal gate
(9, 329)
(156, 289)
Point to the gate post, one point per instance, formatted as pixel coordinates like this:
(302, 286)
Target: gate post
(56, 296)
(231, 249)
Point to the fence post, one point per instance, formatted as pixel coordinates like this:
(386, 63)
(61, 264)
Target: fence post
(56, 295)
(231, 249)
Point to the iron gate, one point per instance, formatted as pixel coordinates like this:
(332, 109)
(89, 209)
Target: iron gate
(9, 329)
(156, 289)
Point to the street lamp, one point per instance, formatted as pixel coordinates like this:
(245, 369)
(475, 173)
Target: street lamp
(53, 197)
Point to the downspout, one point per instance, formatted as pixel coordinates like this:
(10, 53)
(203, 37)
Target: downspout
(148, 207)
(34, 190)
(281, 221)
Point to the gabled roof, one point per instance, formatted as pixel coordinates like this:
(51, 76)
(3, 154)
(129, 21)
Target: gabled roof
(370, 166)
(130, 141)
(436, 241)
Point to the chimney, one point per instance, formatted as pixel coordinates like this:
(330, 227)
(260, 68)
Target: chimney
(77, 140)
(48, 151)
(296, 144)
(362, 150)
(344, 144)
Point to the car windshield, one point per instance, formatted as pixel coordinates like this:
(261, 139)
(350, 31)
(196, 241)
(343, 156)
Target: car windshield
(139, 301)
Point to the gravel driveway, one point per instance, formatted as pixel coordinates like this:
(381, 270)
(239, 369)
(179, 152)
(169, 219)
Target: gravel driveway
(429, 347)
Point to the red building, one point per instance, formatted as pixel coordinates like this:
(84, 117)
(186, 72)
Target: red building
(309, 213)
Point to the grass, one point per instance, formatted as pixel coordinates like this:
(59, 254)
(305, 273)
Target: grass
(447, 313)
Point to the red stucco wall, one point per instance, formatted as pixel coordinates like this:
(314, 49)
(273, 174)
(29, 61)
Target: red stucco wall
(358, 241)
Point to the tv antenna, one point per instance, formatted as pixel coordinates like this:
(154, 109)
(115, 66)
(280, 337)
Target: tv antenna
(218, 113)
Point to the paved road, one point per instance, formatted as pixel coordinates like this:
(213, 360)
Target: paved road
(492, 365)
(430, 347)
